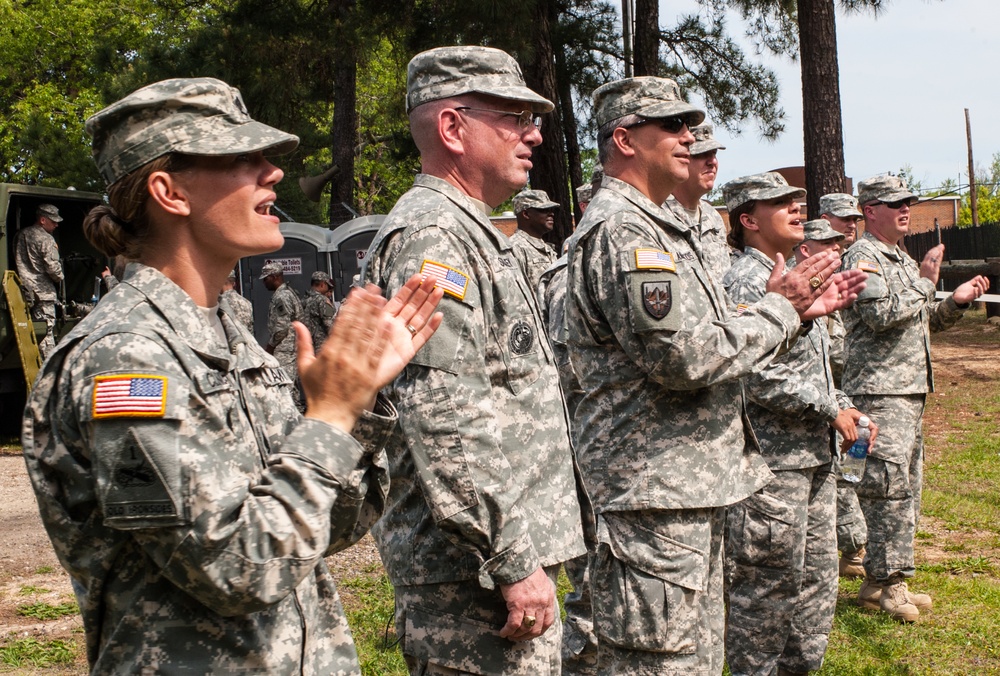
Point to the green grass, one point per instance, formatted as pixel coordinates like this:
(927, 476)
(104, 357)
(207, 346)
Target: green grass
(370, 606)
(44, 570)
(30, 652)
(47, 611)
(29, 589)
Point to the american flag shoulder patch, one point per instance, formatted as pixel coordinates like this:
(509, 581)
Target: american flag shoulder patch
(654, 259)
(130, 395)
(741, 308)
(453, 282)
(869, 266)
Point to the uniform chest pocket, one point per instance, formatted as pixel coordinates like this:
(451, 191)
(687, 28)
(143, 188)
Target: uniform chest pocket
(518, 341)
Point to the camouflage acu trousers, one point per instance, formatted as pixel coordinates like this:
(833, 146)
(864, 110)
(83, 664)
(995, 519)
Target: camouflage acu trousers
(889, 492)
(656, 580)
(579, 644)
(852, 531)
(45, 311)
(453, 628)
(782, 552)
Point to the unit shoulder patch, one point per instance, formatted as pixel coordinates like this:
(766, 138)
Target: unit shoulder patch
(654, 259)
(450, 280)
(129, 395)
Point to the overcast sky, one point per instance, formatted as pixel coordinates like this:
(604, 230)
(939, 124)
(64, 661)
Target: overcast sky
(905, 80)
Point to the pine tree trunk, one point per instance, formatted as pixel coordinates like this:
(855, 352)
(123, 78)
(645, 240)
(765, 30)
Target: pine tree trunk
(823, 142)
(647, 37)
(570, 131)
(549, 159)
(345, 118)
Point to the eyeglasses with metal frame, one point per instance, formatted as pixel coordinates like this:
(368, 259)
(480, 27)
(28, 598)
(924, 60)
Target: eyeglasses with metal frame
(525, 118)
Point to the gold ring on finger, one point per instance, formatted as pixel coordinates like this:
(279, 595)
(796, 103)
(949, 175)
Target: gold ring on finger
(815, 282)
(529, 621)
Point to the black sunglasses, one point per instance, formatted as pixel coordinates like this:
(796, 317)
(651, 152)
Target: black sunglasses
(672, 125)
(898, 204)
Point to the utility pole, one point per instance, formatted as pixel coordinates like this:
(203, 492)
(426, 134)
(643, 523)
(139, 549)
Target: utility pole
(973, 197)
(627, 35)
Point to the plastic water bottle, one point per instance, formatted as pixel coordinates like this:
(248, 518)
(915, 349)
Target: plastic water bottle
(852, 464)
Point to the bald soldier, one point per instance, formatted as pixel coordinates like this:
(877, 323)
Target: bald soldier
(661, 429)
(888, 373)
(842, 212)
(536, 216)
(483, 506)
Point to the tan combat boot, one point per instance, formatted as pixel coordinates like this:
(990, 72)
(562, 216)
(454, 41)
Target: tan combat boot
(850, 564)
(870, 596)
(895, 601)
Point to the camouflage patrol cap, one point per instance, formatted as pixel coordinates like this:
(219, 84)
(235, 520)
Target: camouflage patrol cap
(884, 188)
(584, 192)
(272, 268)
(49, 211)
(839, 204)
(320, 276)
(533, 199)
(196, 116)
(452, 71)
(820, 230)
(645, 96)
(704, 139)
(766, 186)
(595, 179)
(232, 276)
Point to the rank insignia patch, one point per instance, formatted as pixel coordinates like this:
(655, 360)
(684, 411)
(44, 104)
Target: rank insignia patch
(656, 299)
(130, 396)
(654, 259)
(522, 337)
(869, 266)
(450, 280)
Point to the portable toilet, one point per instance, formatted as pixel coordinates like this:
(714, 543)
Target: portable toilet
(347, 249)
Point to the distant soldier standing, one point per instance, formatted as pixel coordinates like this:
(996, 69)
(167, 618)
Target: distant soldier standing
(319, 311)
(888, 373)
(687, 203)
(285, 308)
(536, 216)
(843, 214)
(241, 307)
(36, 257)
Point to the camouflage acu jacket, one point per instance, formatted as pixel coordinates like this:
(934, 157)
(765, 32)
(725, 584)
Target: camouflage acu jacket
(190, 502)
(483, 483)
(318, 315)
(712, 230)
(241, 308)
(535, 255)
(792, 401)
(285, 308)
(36, 257)
(552, 301)
(659, 352)
(887, 349)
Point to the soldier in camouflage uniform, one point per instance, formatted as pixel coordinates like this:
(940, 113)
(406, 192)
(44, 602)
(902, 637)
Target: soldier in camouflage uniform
(284, 309)
(319, 311)
(484, 504)
(843, 214)
(887, 372)
(240, 307)
(189, 501)
(661, 433)
(781, 544)
(535, 218)
(36, 257)
(579, 643)
(583, 196)
(686, 203)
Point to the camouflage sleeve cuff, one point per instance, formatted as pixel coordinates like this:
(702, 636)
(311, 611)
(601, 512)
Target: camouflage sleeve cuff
(511, 565)
(779, 307)
(843, 401)
(953, 308)
(926, 286)
(322, 443)
(373, 428)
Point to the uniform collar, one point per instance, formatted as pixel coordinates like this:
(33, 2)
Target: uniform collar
(892, 251)
(179, 310)
(476, 209)
(759, 256)
(644, 204)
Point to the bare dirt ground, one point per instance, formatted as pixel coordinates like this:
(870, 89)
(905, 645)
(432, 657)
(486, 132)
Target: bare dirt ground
(29, 571)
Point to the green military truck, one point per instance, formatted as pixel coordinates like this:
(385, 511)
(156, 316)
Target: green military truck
(82, 266)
